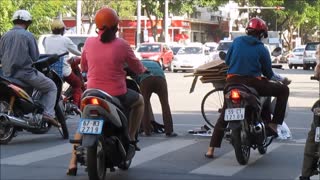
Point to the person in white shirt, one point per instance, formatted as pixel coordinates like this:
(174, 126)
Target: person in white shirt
(57, 44)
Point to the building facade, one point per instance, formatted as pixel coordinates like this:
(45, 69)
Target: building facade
(202, 26)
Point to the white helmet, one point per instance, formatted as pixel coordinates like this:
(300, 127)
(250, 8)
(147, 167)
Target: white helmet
(22, 15)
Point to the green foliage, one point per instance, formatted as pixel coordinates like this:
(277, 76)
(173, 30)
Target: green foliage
(125, 8)
(42, 11)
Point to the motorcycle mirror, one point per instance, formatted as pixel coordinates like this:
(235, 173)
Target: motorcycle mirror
(276, 52)
(222, 55)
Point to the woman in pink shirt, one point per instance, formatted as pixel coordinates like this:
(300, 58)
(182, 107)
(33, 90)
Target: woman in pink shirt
(104, 58)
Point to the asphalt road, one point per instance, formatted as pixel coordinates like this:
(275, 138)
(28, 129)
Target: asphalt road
(40, 157)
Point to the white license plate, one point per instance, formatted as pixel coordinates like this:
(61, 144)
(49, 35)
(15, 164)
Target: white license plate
(90, 126)
(234, 114)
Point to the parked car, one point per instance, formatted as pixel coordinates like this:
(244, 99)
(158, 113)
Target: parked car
(309, 55)
(295, 58)
(212, 47)
(175, 48)
(190, 57)
(77, 39)
(224, 45)
(157, 51)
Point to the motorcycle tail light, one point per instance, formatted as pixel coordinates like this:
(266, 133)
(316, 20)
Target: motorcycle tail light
(94, 101)
(235, 96)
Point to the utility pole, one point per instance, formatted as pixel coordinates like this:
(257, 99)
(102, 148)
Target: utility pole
(138, 35)
(78, 20)
(166, 22)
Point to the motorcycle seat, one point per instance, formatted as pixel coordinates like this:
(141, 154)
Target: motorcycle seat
(241, 87)
(16, 82)
(103, 95)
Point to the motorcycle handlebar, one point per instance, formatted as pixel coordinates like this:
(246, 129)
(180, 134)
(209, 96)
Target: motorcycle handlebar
(50, 58)
(277, 66)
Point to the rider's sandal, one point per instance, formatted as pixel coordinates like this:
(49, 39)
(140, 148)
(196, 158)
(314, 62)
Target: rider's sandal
(134, 143)
(73, 171)
(271, 132)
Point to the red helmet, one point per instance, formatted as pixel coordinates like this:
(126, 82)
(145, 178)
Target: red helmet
(106, 18)
(257, 25)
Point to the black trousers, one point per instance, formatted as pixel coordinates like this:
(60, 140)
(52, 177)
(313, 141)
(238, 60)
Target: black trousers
(157, 85)
(265, 88)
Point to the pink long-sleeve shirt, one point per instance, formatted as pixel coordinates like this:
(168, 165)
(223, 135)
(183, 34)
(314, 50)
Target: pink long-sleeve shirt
(105, 62)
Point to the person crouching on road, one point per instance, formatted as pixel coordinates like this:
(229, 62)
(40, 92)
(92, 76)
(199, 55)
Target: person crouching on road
(155, 82)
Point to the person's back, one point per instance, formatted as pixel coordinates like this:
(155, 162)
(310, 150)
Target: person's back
(154, 68)
(18, 50)
(248, 57)
(106, 70)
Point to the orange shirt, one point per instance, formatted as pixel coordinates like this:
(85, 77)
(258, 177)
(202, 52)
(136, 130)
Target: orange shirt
(105, 62)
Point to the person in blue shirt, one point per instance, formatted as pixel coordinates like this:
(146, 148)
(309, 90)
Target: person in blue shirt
(249, 63)
(155, 82)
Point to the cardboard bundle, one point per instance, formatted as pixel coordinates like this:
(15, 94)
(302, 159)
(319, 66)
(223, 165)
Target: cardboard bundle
(213, 72)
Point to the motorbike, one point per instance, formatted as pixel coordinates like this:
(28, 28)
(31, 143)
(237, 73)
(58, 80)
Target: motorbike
(314, 133)
(69, 107)
(247, 113)
(19, 106)
(105, 141)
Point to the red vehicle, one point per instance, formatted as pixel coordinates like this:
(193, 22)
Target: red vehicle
(156, 51)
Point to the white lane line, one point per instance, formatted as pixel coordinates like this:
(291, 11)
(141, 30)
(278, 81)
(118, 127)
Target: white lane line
(227, 164)
(159, 149)
(39, 155)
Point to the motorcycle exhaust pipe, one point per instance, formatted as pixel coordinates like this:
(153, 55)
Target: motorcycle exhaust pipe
(15, 121)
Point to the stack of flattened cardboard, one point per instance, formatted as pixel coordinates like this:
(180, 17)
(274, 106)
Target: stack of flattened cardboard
(212, 72)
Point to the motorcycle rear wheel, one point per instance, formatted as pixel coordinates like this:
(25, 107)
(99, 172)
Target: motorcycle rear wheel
(242, 150)
(96, 164)
(262, 150)
(8, 134)
(124, 165)
(8, 130)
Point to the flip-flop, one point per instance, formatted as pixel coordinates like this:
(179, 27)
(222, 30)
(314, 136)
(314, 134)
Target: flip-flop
(209, 156)
(271, 132)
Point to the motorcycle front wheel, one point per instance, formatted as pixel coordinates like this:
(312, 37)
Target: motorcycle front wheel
(96, 164)
(62, 120)
(241, 148)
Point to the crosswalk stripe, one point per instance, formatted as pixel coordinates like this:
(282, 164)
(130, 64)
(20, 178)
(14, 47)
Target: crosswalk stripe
(159, 149)
(227, 164)
(38, 155)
